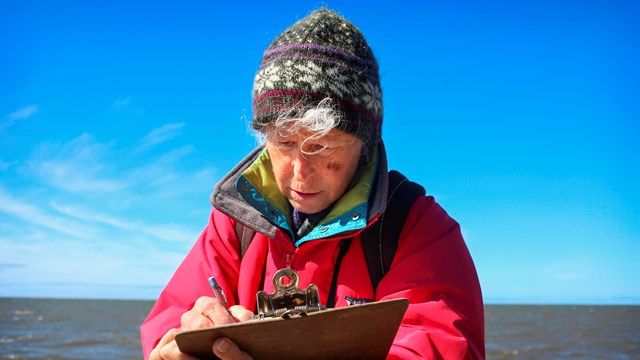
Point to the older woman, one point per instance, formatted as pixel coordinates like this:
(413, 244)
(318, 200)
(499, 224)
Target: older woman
(321, 177)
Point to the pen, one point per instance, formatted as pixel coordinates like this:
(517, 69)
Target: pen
(218, 292)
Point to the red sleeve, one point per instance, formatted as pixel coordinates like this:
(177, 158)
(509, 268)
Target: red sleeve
(213, 254)
(434, 270)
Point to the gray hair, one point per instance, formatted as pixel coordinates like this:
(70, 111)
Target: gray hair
(318, 120)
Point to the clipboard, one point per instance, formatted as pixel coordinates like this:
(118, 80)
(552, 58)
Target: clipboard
(364, 331)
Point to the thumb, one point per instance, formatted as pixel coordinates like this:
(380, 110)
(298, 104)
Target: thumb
(228, 350)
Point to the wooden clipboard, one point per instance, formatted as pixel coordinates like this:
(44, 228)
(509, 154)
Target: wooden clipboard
(363, 331)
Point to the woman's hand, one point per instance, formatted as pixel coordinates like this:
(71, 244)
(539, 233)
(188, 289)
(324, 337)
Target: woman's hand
(206, 312)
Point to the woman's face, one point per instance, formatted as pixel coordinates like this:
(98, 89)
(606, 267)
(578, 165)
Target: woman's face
(315, 173)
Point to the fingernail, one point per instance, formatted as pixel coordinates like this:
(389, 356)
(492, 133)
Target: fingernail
(223, 346)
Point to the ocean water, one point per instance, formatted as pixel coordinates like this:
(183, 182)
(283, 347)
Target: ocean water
(108, 329)
(71, 329)
(562, 332)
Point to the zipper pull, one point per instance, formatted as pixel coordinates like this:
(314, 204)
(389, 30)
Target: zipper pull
(289, 258)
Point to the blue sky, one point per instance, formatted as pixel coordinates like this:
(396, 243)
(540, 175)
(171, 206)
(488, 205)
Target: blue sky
(521, 118)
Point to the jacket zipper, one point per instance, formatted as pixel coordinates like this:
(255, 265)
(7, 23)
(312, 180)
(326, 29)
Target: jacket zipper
(289, 258)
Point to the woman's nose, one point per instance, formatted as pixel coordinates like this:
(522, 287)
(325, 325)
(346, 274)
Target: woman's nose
(302, 166)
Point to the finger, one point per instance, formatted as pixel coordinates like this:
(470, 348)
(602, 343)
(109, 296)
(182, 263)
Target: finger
(214, 310)
(167, 338)
(172, 352)
(192, 320)
(240, 313)
(226, 349)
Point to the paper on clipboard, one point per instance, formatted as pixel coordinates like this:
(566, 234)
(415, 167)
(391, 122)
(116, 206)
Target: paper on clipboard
(363, 331)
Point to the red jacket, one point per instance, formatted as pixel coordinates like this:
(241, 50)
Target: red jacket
(432, 268)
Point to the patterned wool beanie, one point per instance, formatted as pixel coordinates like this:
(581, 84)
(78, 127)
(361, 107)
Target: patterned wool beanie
(322, 55)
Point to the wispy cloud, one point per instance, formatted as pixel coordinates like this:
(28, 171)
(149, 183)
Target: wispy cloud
(122, 102)
(49, 268)
(95, 169)
(20, 114)
(23, 113)
(128, 107)
(80, 165)
(569, 269)
(160, 135)
(35, 215)
(166, 232)
(163, 169)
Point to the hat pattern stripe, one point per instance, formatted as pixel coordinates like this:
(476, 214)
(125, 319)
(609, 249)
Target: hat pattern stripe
(356, 86)
(322, 48)
(323, 60)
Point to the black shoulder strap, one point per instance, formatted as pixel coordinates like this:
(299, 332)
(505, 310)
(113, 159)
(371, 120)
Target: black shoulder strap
(380, 240)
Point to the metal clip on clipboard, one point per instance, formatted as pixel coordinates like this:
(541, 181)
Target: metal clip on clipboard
(288, 300)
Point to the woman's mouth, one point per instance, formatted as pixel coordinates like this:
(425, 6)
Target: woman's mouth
(300, 195)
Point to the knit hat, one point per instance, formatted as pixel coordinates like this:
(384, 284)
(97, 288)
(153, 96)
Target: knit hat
(323, 55)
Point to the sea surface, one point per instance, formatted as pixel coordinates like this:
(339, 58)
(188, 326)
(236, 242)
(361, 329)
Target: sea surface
(108, 329)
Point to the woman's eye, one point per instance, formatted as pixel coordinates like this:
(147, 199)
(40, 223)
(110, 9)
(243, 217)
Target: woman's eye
(285, 144)
(315, 148)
